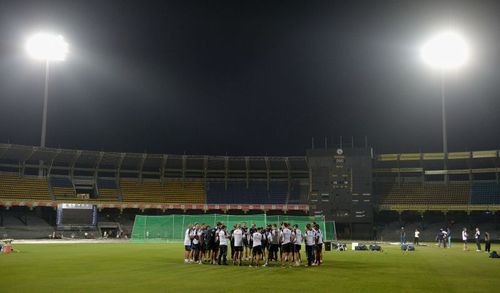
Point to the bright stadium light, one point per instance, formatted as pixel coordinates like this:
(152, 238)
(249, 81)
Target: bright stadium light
(445, 51)
(47, 47)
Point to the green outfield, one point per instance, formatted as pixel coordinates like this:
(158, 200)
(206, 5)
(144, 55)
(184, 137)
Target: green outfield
(160, 268)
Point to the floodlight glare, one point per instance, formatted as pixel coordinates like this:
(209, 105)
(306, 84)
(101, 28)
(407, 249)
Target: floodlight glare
(445, 51)
(47, 47)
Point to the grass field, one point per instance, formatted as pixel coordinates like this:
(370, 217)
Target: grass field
(159, 268)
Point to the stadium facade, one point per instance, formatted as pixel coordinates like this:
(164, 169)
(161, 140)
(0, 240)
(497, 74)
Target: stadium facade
(350, 185)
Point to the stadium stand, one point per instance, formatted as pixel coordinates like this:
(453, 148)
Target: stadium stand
(295, 193)
(62, 187)
(107, 190)
(167, 192)
(278, 192)
(33, 226)
(16, 187)
(255, 193)
(485, 193)
(427, 193)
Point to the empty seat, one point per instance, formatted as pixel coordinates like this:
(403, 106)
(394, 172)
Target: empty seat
(485, 193)
(107, 190)
(177, 191)
(428, 194)
(62, 188)
(253, 193)
(17, 187)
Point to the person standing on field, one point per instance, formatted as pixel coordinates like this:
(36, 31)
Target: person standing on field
(246, 240)
(187, 244)
(231, 241)
(238, 245)
(297, 244)
(309, 239)
(251, 231)
(402, 236)
(286, 239)
(319, 244)
(445, 237)
(256, 247)
(477, 236)
(487, 242)
(223, 236)
(275, 243)
(213, 234)
(464, 238)
(417, 237)
(448, 232)
(196, 235)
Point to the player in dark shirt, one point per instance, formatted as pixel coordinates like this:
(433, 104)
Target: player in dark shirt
(232, 242)
(207, 244)
(203, 246)
(246, 239)
(251, 231)
(274, 243)
(265, 243)
(214, 242)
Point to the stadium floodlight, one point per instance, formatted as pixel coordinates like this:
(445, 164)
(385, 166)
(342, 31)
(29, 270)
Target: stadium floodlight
(447, 50)
(48, 48)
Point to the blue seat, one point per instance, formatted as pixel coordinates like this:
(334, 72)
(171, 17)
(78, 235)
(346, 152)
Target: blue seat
(485, 193)
(61, 182)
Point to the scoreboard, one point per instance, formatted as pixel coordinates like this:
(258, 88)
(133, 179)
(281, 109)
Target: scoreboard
(76, 214)
(341, 186)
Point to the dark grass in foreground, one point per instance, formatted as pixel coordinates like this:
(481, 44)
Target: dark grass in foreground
(160, 268)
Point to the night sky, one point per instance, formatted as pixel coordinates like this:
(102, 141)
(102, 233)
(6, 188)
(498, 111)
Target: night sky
(248, 77)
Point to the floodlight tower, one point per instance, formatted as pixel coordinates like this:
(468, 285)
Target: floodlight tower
(47, 48)
(446, 51)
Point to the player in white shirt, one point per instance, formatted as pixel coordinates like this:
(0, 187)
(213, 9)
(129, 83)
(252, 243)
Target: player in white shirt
(286, 244)
(187, 244)
(465, 235)
(297, 244)
(417, 237)
(195, 237)
(238, 245)
(309, 239)
(477, 236)
(444, 234)
(256, 247)
(223, 236)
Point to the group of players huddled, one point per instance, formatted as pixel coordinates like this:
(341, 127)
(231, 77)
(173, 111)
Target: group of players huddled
(205, 244)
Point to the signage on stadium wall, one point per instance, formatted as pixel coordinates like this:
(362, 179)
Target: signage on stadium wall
(75, 206)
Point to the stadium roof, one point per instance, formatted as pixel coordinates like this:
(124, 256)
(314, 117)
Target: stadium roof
(117, 160)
